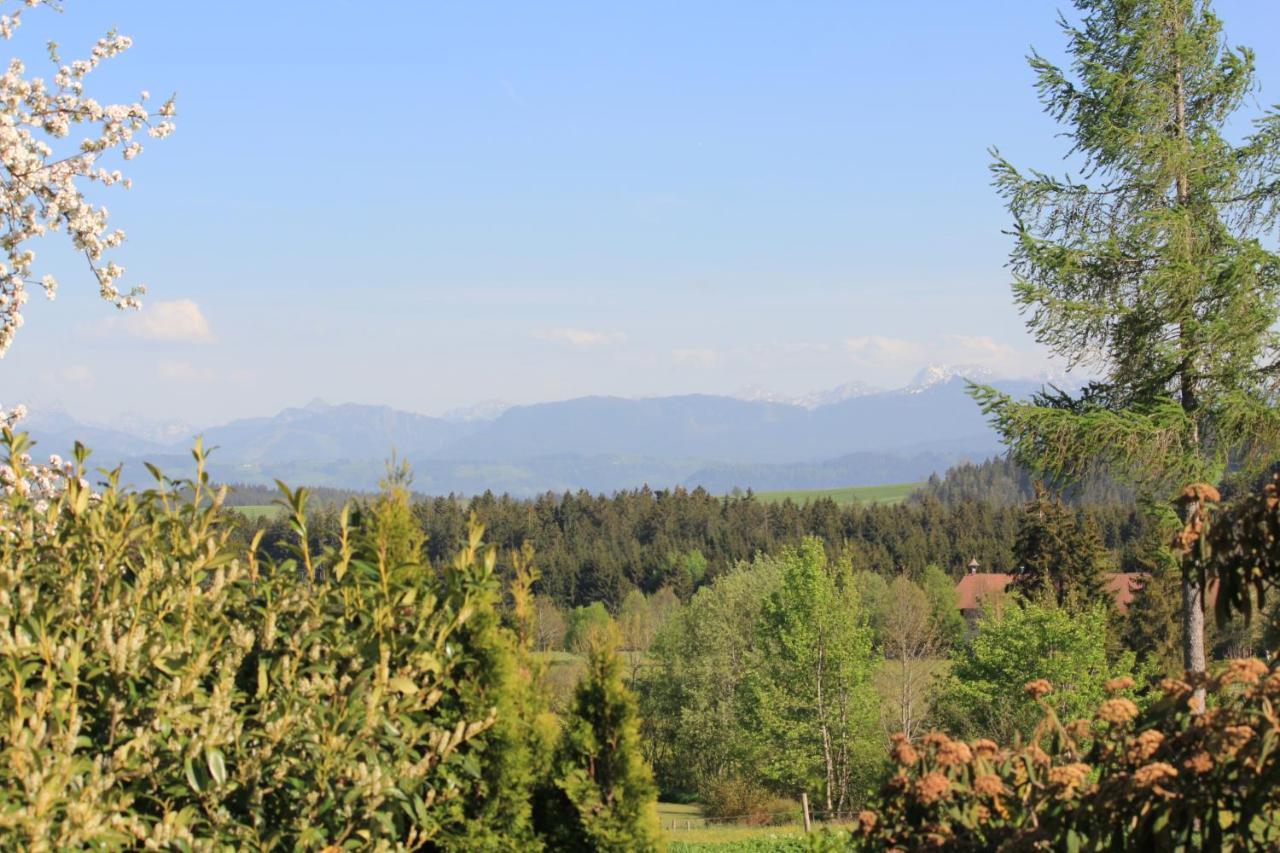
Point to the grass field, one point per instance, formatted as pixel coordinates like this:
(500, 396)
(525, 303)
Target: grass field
(701, 836)
(890, 494)
(256, 512)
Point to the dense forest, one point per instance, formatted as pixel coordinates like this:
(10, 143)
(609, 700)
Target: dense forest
(596, 548)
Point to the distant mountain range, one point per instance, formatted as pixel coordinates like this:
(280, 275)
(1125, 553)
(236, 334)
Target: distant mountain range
(849, 436)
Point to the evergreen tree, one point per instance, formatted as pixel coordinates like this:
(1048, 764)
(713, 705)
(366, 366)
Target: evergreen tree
(1058, 553)
(1147, 265)
(1149, 627)
(602, 797)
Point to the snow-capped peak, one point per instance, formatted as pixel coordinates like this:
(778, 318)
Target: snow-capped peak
(940, 374)
(811, 400)
(760, 394)
(838, 394)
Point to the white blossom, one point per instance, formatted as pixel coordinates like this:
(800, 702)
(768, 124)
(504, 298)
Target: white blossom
(44, 173)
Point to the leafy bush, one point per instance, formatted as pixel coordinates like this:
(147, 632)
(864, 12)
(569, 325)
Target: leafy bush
(982, 694)
(1119, 780)
(738, 798)
(1180, 775)
(160, 686)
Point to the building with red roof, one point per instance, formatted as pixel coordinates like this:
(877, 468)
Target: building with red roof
(977, 589)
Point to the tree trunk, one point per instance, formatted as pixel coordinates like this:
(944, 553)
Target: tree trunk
(1193, 635)
(1192, 595)
(825, 730)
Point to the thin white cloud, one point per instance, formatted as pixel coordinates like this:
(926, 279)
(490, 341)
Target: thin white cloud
(983, 345)
(695, 357)
(180, 321)
(580, 337)
(878, 349)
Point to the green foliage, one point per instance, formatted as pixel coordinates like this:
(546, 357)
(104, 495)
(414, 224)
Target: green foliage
(1059, 554)
(602, 797)
(1148, 266)
(983, 693)
(164, 686)
(763, 681)
(1150, 626)
(886, 494)
(811, 699)
(940, 589)
(595, 548)
(695, 731)
(872, 592)
(1179, 775)
(588, 625)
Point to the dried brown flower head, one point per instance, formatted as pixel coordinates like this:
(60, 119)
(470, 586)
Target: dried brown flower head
(986, 748)
(1039, 688)
(932, 787)
(1152, 775)
(1145, 745)
(1069, 777)
(989, 785)
(1117, 711)
(1115, 685)
(905, 754)
(954, 752)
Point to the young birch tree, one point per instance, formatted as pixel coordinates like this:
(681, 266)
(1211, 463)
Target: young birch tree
(1148, 264)
(911, 642)
(813, 697)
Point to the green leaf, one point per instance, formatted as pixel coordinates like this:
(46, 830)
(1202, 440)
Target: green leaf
(404, 685)
(192, 777)
(217, 765)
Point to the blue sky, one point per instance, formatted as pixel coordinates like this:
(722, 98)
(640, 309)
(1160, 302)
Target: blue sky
(428, 204)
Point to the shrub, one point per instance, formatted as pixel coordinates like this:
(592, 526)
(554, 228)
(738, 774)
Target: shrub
(161, 686)
(738, 798)
(601, 796)
(587, 626)
(1180, 775)
(1118, 780)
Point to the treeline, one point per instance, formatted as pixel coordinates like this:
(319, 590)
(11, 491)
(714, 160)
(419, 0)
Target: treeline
(257, 494)
(1003, 482)
(595, 548)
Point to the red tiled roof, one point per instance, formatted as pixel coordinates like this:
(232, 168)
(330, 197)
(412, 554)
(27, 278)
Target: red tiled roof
(974, 586)
(1122, 586)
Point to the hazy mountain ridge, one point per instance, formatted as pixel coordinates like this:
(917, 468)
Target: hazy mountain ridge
(598, 443)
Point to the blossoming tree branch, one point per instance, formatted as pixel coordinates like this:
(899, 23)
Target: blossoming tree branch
(47, 172)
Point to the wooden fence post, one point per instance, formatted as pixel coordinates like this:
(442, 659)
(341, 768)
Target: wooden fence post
(804, 803)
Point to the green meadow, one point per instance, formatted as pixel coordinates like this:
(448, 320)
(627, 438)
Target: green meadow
(888, 494)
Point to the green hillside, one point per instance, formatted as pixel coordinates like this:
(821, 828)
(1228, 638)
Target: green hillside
(889, 494)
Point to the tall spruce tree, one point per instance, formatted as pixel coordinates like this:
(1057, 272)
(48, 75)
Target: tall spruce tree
(1146, 264)
(1058, 553)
